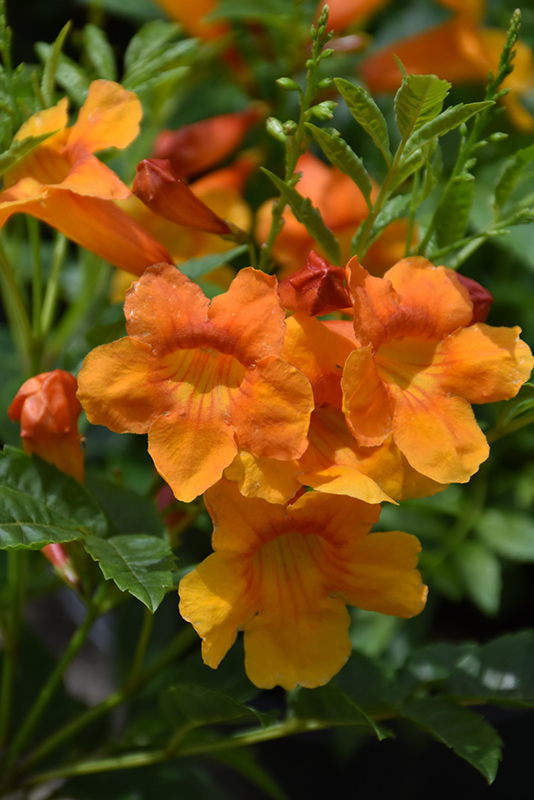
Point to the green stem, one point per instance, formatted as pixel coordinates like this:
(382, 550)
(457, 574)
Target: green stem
(15, 310)
(47, 692)
(178, 646)
(498, 433)
(16, 574)
(52, 288)
(144, 636)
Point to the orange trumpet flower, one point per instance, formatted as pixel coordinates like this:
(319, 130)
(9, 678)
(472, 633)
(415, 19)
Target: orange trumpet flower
(202, 379)
(63, 184)
(283, 575)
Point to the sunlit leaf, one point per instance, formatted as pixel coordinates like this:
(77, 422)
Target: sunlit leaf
(418, 101)
(366, 112)
(342, 156)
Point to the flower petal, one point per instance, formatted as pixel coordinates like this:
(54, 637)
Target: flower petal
(109, 117)
(267, 478)
(119, 388)
(46, 121)
(366, 401)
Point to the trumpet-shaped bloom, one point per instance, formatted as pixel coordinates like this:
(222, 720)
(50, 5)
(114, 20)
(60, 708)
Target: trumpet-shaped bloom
(63, 184)
(47, 409)
(420, 365)
(342, 207)
(202, 379)
(191, 16)
(283, 575)
(460, 50)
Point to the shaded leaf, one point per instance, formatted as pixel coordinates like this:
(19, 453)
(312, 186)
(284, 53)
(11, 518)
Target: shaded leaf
(522, 405)
(366, 112)
(99, 52)
(511, 175)
(465, 732)
(480, 571)
(309, 216)
(418, 101)
(452, 215)
(71, 77)
(40, 505)
(148, 71)
(196, 706)
(507, 533)
(330, 706)
(501, 671)
(127, 510)
(138, 563)
(341, 155)
(50, 65)
(150, 38)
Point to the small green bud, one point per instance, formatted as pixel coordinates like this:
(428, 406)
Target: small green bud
(498, 136)
(324, 110)
(310, 63)
(289, 127)
(288, 84)
(326, 83)
(327, 53)
(274, 127)
(470, 163)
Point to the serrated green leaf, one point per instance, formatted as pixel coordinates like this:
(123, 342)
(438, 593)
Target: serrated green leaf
(40, 505)
(71, 77)
(507, 533)
(138, 563)
(452, 216)
(99, 52)
(329, 705)
(196, 267)
(511, 175)
(151, 37)
(51, 64)
(501, 671)
(309, 216)
(19, 149)
(366, 113)
(447, 121)
(342, 156)
(436, 662)
(196, 706)
(465, 732)
(480, 571)
(418, 101)
(127, 510)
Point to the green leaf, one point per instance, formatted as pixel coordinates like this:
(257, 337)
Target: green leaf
(512, 173)
(522, 405)
(148, 72)
(452, 215)
(364, 681)
(196, 706)
(50, 66)
(436, 662)
(152, 36)
(341, 155)
(418, 101)
(138, 563)
(414, 162)
(273, 12)
(393, 209)
(507, 533)
(244, 762)
(328, 705)
(127, 510)
(99, 52)
(309, 216)
(19, 149)
(197, 267)
(366, 113)
(71, 77)
(470, 736)
(450, 119)
(40, 505)
(501, 671)
(480, 571)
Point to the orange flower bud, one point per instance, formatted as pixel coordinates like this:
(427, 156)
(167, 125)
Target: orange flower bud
(318, 288)
(47, 409)
(166, 195)
(57, 555)
(195, 148)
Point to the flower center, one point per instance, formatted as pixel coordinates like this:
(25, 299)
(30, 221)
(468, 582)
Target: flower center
(401, 360)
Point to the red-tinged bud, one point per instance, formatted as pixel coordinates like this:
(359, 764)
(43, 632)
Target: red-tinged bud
(166, 195)
(58, 557)
(194, 149)
(482, 299)
(318, 288)
(47, 408)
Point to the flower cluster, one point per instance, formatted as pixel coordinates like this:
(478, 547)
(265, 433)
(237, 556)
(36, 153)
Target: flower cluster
(254, 410)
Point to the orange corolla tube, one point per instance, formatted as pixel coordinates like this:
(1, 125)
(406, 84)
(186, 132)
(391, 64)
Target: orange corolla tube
(421, 363)
(342, 208)
(460, 50)
(284, 574)
(196, 148)
(203, 379)
(63, 184)
(191, 16)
